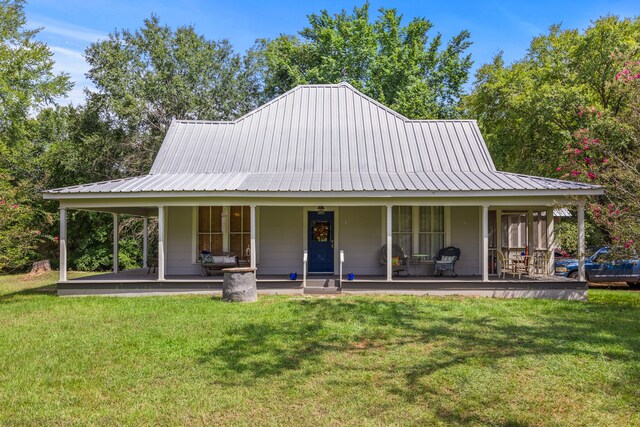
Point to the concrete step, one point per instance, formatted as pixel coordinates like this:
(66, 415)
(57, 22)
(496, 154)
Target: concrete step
(321, 283)
(322, 291)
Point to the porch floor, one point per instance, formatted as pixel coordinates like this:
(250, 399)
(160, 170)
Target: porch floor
(139, 282)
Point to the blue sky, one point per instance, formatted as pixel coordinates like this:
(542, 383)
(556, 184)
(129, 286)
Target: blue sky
(71, 25)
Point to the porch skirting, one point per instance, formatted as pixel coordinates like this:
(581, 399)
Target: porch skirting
(132, 284)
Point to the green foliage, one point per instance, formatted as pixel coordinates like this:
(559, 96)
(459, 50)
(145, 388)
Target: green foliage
(20, 235)
(27, 84)
(566, 236)
(398, 65)
(148, 77)
(606, 151)
(527, 110)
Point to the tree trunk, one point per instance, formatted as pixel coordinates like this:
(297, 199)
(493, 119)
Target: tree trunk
(39, 267)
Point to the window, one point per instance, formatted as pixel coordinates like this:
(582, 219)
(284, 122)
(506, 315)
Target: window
(240, 227)
(224, 229)
(402, 228)
(431, 235)
(210, 229)
(514, 230)
(418, 230)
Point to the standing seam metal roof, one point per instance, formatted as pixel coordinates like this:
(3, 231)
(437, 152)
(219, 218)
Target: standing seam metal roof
(324, 138)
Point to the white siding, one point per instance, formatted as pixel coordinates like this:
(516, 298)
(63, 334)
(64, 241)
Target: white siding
(360, 236)
(179, 241)
(280, 240)
(465, 234)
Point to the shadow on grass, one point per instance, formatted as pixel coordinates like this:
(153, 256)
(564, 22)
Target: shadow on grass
(49, 289)
(451, 336)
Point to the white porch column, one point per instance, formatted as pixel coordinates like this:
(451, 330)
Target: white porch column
(581, 274)
(252, 236)
(145, 242)
(530, 246)
(62, 240)
(551, 244)
(389, 244)
(161, 215)
(115, 243)
(485, 243)
(499, 238)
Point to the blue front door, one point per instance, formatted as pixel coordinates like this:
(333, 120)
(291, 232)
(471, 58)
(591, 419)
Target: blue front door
(320, 242)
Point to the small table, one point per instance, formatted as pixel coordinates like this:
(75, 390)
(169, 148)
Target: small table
(420, 259)
(522, 264)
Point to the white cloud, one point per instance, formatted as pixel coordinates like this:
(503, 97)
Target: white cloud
(69, 61)
(527, 26)
(68, 30)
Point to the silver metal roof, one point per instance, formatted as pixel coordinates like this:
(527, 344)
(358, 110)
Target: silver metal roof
(324, 138)
(326, 182)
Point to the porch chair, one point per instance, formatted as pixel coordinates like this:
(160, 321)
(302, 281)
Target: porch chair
(399, 260)
(446, 260)
(508, 266)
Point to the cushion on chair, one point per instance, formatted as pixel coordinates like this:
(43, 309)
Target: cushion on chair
(207, 258)
(446, 259)
(395, 260)
(229, 260)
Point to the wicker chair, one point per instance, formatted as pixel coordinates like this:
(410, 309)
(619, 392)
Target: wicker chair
(396, 252)
(446, 260)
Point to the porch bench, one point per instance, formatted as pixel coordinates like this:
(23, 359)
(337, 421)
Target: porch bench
(214, 263)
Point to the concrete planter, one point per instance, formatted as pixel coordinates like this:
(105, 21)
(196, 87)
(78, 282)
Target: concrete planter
(239, 285)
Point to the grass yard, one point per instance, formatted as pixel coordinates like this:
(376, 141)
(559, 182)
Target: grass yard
(194, 360)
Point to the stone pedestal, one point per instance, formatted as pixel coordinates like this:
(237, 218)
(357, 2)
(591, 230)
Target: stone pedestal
(239, 285)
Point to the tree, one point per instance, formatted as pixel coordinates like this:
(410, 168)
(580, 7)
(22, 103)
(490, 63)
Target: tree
(148, 77)
(527, 110)
(400, 66)
(606, 151)
(27, 84)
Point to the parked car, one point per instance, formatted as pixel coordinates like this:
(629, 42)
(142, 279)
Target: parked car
(603, 266)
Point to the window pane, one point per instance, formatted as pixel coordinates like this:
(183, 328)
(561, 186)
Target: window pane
(425, 218)
(401, 219)
(236, 219)
(216, 243)
(216, 219)
(425, 244)
(395, 219)
(204, 243)
(235, 245)
(404, 240)
(438, 219)
(246, 219)
(437, 243)
(204, 219)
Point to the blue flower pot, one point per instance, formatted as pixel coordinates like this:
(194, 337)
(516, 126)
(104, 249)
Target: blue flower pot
(293, 276)
(351, 276)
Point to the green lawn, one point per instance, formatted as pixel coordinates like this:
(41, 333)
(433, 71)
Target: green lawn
(194, 360)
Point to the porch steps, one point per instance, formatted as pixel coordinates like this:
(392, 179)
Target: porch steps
(322, 291)
(321, 287)
(321, 283)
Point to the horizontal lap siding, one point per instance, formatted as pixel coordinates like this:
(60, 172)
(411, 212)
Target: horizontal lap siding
(280, 240)
(465, 234)
(179, 241)
(360, 236)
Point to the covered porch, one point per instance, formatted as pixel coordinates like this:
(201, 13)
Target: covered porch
(276, 237)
